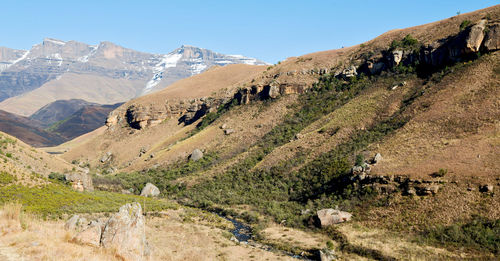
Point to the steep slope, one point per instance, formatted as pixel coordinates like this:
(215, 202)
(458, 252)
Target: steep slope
(30, 131)
(20, 159)
(177, 99)
(104, 73)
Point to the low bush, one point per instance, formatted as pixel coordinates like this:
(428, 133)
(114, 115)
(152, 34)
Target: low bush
(480, 233)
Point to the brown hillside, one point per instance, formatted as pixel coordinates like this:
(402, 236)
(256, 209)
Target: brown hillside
(22, 160)
(165, 141)
(30, 131)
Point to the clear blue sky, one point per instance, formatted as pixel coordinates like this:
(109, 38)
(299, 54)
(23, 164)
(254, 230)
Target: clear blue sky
(269, 30)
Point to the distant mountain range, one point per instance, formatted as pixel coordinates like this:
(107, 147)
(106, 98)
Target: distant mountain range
(105, 73)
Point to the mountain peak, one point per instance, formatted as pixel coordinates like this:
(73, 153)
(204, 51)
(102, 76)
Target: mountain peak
(52, 41)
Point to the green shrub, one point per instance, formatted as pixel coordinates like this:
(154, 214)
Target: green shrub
(408, 42)
(481, 234)
(58, 177)
(360, 159)
(441, 172)
(464, 24)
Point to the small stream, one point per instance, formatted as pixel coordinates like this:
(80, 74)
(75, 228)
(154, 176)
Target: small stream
(243, 233)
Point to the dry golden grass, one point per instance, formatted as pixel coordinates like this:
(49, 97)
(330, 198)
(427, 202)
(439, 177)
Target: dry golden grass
(394, 245)
(171, 238)
(26, 237)
(454, 126)
(295, 237)
(23, 161)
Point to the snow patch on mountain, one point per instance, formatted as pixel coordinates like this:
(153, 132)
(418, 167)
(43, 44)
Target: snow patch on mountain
(85, 58)
(246, 60)
(8, 64)
(54, 41)
(167, 61)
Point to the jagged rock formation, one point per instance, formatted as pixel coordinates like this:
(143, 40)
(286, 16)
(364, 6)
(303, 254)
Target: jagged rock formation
(482, 36)
(125, 233)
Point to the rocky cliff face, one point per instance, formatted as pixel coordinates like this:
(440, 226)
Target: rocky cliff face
(49, 63)
(185, 111)
(481, 37)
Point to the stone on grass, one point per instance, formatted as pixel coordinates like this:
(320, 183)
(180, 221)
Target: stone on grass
(125, 233)
(329, 216)
(150, 190)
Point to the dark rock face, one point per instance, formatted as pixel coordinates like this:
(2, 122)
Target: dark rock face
(85, 120)
(492, 38)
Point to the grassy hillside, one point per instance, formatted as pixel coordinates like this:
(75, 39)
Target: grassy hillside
(289, 155)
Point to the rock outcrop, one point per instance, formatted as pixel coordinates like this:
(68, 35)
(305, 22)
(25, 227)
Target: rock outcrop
(475, 37)
(125, 233)
(150, 190)
(196, 155)
(492, 38)
(455, 48)
(329, 216)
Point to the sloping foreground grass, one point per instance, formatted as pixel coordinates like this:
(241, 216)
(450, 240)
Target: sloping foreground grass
(53, 200)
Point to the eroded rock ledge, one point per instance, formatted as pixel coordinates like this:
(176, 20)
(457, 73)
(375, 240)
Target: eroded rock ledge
(482, 37)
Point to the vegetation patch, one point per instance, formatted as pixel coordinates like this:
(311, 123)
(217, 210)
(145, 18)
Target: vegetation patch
(53, 200)
(6, 178)
(480, 234)
(162, 178)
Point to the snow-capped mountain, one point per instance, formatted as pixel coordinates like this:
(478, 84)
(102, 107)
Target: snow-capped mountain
(105, 73)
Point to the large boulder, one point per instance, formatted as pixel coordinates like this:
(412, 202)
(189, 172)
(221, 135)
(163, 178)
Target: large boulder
(91, 235)
(125, 233)
(274, 90)
(492, 38)
(475, 37)
(329, 216)
(196, 155)
(150, 190)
